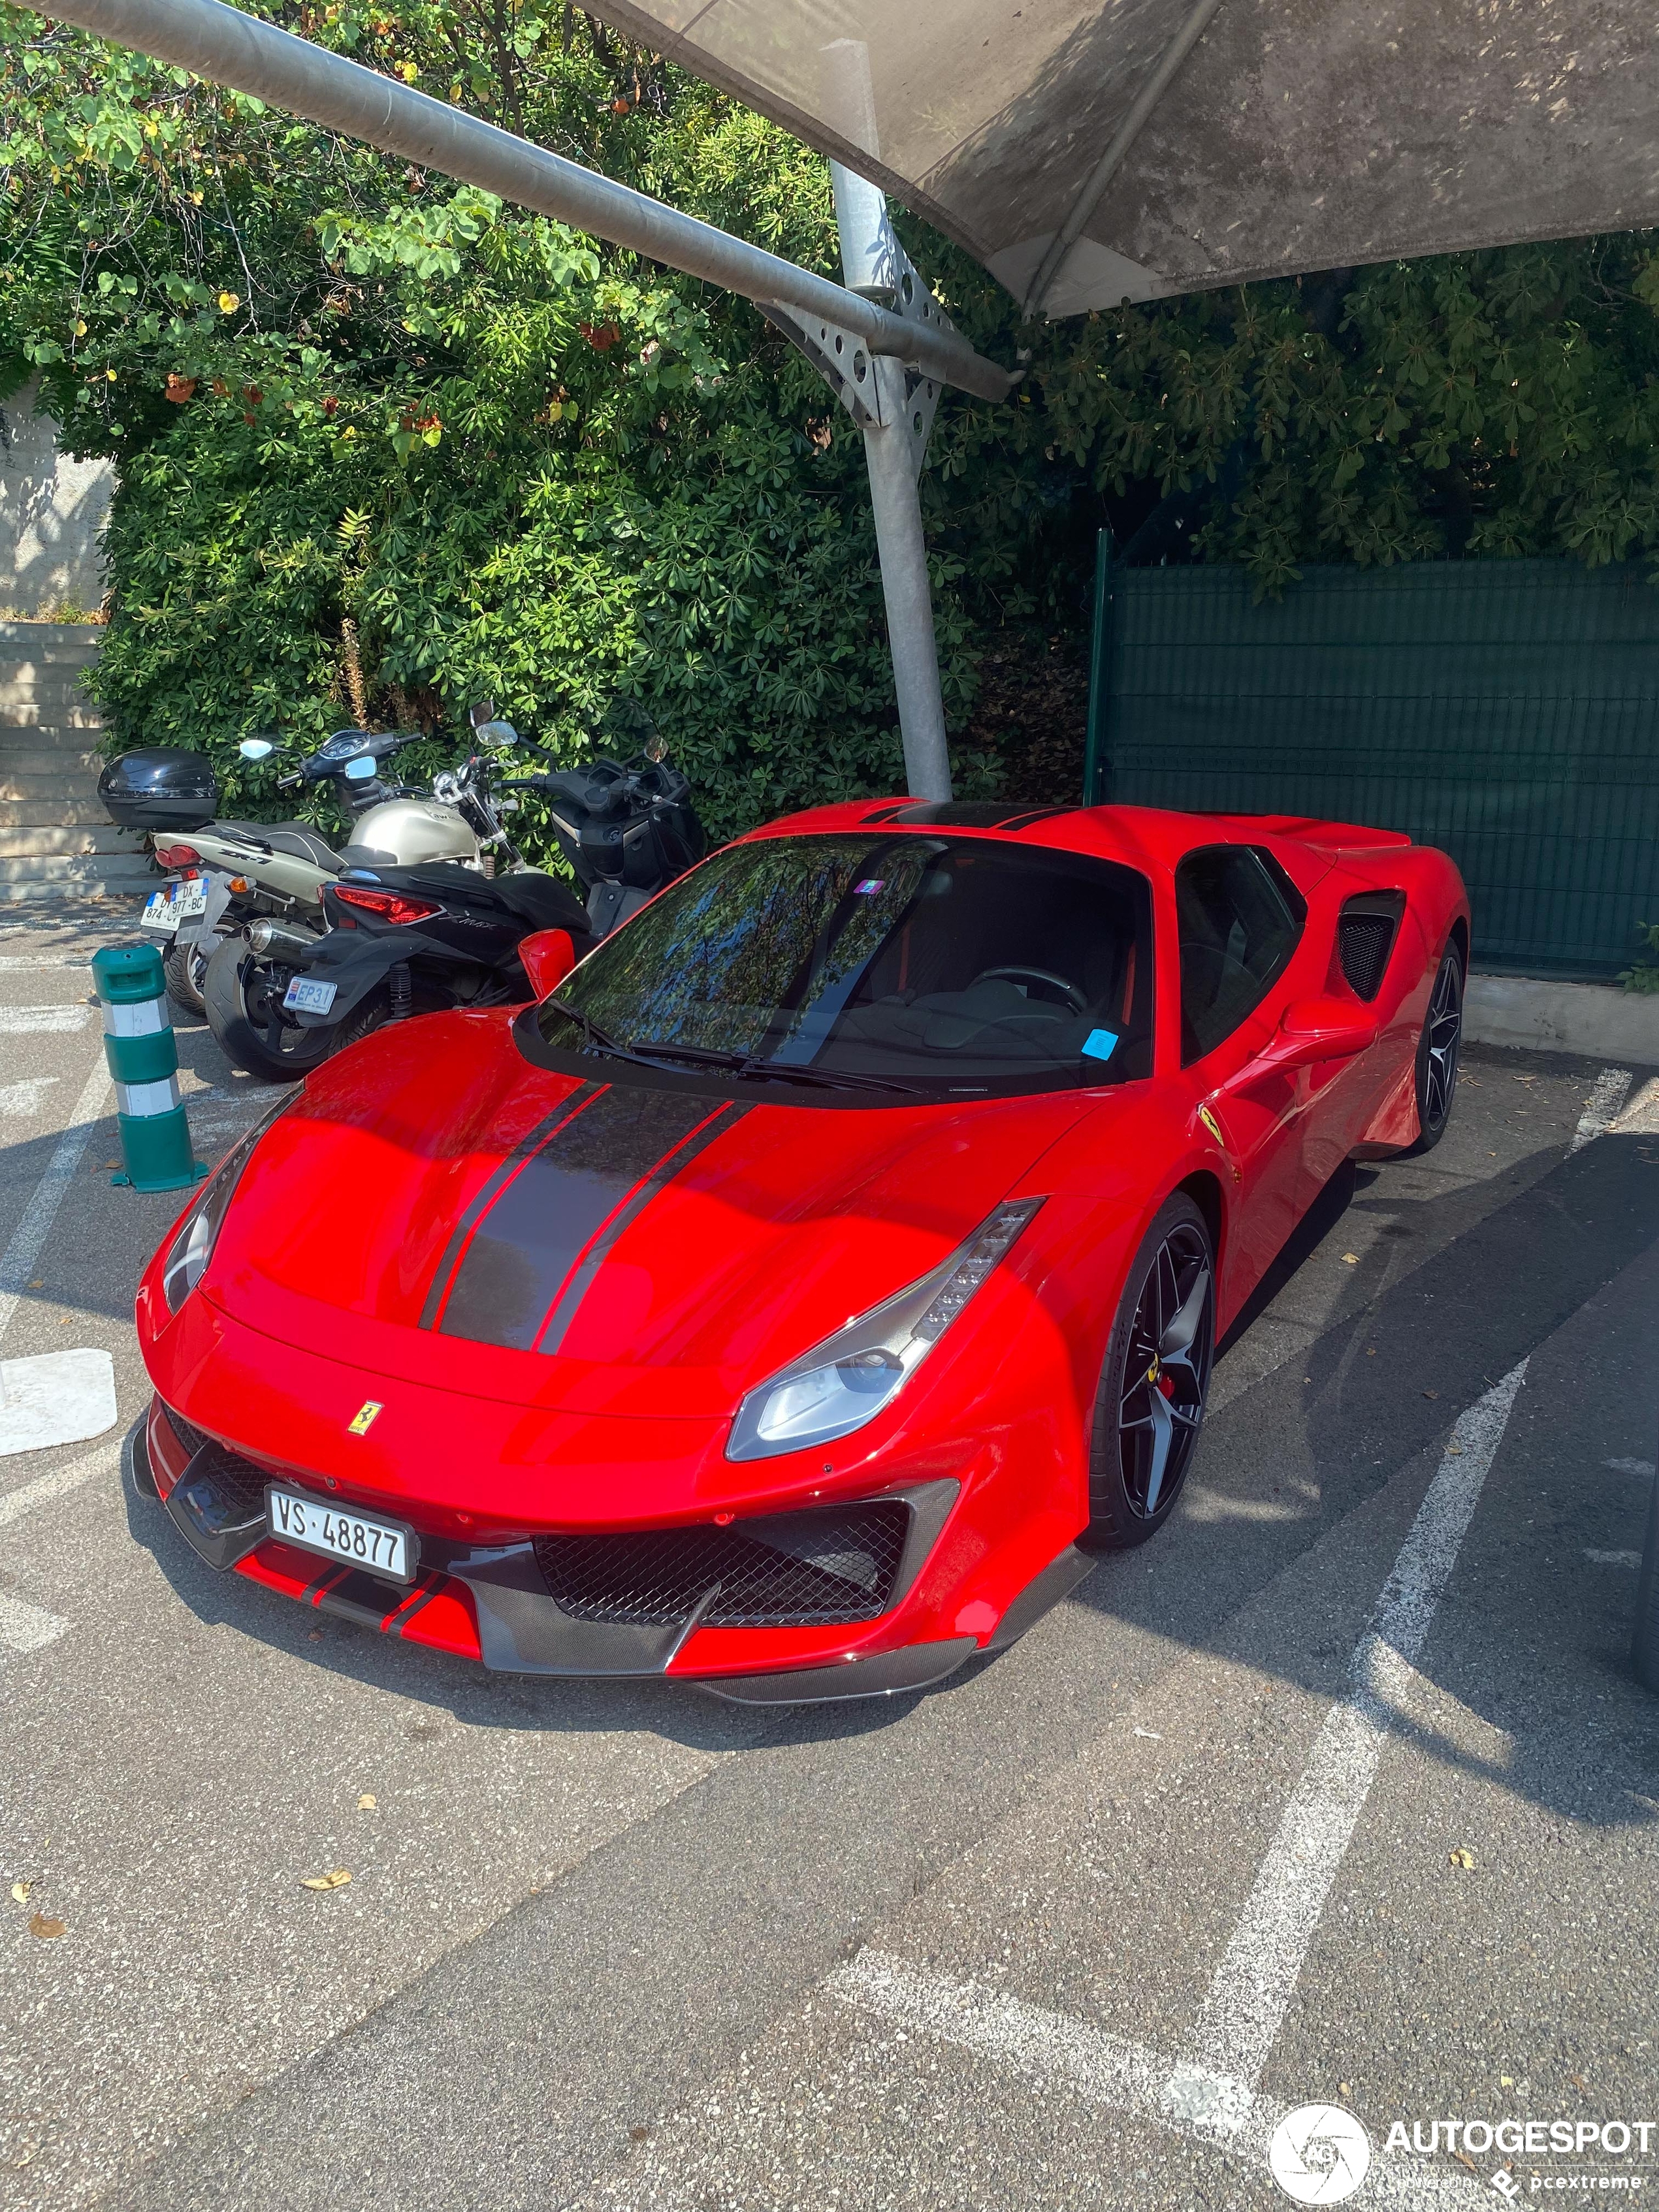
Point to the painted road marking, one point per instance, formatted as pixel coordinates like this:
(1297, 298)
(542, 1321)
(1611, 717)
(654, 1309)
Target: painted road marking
(21, 1101)
(27, 1627)
(16, 1504)
(1601, 1110)
(17, 1261)
(21, 1021)
(1258, 1972)
(1212, 2092)
(1641, 1117)
(1629, 1465)
(1612, 1558)
(36, 963)
(56, 1398)
(1105, 2069)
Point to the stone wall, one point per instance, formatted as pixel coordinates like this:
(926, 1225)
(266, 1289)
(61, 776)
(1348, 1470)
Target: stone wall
(53, 511)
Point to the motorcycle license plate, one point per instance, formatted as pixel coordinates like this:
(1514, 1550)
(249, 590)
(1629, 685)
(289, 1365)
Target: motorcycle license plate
(386, 1547)
(304, 995)
(176, 902)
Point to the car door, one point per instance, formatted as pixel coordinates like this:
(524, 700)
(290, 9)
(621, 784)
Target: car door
(1239, 920)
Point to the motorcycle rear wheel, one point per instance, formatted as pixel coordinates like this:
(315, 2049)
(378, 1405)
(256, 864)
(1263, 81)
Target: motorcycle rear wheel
(185, 967)
(251, 1032)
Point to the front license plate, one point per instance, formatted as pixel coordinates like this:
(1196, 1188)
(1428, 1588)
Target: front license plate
(386, 1547)
(306, 996)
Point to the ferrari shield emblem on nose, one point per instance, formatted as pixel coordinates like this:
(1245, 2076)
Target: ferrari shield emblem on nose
(363, 1419)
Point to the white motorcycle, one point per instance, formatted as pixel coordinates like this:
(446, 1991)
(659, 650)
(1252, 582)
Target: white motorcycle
(242, 887)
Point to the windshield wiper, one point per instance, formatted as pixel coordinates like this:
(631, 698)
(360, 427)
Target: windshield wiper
(751, 1064)
(597, 1039)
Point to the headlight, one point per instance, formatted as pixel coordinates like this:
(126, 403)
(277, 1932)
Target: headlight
(192, 1248)
(848, 1378)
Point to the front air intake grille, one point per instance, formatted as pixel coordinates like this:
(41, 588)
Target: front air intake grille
(188, 1434)
(238, 1480)
(789, 1570)
(1365, 939)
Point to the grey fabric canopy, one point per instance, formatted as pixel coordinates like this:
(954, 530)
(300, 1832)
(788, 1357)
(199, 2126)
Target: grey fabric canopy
(1091, 154)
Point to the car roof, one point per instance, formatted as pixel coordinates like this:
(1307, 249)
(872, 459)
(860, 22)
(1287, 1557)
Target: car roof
(1138, 837)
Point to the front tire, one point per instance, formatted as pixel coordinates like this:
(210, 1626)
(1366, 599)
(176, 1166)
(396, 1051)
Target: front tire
(1437, 1052)
(1154, 1382)
(237, 1000)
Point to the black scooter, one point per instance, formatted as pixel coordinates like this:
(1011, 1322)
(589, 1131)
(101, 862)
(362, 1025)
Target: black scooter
(410, 941)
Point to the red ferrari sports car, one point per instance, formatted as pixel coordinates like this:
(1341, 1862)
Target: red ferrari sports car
(797, 1296)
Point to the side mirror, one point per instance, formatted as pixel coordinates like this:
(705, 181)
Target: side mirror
(1315, 1029)
(548, 957)
(483, 711)
(360, 768)
(255, 749)
(656, 748)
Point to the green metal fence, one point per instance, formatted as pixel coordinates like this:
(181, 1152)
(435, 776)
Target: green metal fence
(1505, 710)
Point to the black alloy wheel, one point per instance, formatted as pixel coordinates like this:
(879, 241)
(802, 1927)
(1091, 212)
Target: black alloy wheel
(1437, 1050)
(1155, 1382)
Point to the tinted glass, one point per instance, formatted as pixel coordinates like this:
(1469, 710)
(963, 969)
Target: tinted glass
(937, 965)
(1238, 928)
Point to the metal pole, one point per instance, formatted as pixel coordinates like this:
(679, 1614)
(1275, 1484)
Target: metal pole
(228, 47)
(1097, 762)
(892, 460)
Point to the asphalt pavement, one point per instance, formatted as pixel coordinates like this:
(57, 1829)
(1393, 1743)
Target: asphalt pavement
(1340, 1792)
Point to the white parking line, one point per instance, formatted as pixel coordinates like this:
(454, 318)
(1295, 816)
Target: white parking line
(1211, 2094)
(1258, 1972)
(17, 1261)
(15, 1504)
(1602, 1108)
(37, 963)
(1105, 2069)
(23, 1021)
(22, 1101)
(27, 1627)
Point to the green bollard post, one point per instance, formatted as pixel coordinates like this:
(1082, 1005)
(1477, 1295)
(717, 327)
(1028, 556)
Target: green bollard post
(144, 1058)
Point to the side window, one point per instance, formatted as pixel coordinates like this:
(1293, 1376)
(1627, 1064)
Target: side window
(1239, 919)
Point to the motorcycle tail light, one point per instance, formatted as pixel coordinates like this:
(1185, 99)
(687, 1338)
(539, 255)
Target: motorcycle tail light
(178, 856)
(390, 906)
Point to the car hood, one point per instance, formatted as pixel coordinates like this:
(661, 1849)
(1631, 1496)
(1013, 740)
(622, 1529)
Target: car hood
(431, 1206)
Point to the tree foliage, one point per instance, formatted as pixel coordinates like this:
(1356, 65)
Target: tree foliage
(348, 399)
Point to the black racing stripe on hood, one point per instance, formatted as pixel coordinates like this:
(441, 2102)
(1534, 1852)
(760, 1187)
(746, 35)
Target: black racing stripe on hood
(581, 1275)
(490, 1190)
(529, 1242)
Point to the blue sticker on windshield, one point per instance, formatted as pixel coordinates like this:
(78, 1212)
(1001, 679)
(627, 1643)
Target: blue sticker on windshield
(869, 884)
(1100, 1044)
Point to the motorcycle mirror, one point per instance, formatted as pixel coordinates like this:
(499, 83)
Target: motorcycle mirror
(547, 957)
(496, 734)
(656, 747)
(483, 711)
(255, 749)
(360, 769)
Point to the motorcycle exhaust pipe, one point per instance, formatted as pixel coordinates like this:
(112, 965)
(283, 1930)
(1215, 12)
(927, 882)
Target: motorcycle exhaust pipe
(287, 944)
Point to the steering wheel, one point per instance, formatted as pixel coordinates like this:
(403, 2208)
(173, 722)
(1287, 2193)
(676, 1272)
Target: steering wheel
(1073, 997)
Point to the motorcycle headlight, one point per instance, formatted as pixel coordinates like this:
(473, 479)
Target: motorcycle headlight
(847, 1380)
(192, 1246)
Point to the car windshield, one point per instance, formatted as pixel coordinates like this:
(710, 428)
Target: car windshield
(931, 965)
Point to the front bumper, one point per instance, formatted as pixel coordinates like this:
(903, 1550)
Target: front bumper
(493, 1603)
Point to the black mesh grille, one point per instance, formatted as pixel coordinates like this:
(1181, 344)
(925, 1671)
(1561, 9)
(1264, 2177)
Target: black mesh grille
(792, 1569)
(188, 1434)
(1365, 939)
(239, 1481)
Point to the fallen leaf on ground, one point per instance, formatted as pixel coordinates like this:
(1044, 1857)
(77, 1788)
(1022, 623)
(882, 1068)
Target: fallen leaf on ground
(1430, 1394)
(37, 1282)
(1370, 1352)
(1351, 1259)
(19, 1891)
(1345, 2089)
(1151, 1735)
(45, 1929)
(1464, 2160)
(336, 1879)
(367, 1802)
(1462, 1857)
(1506, 2080)
(1579, 2082)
